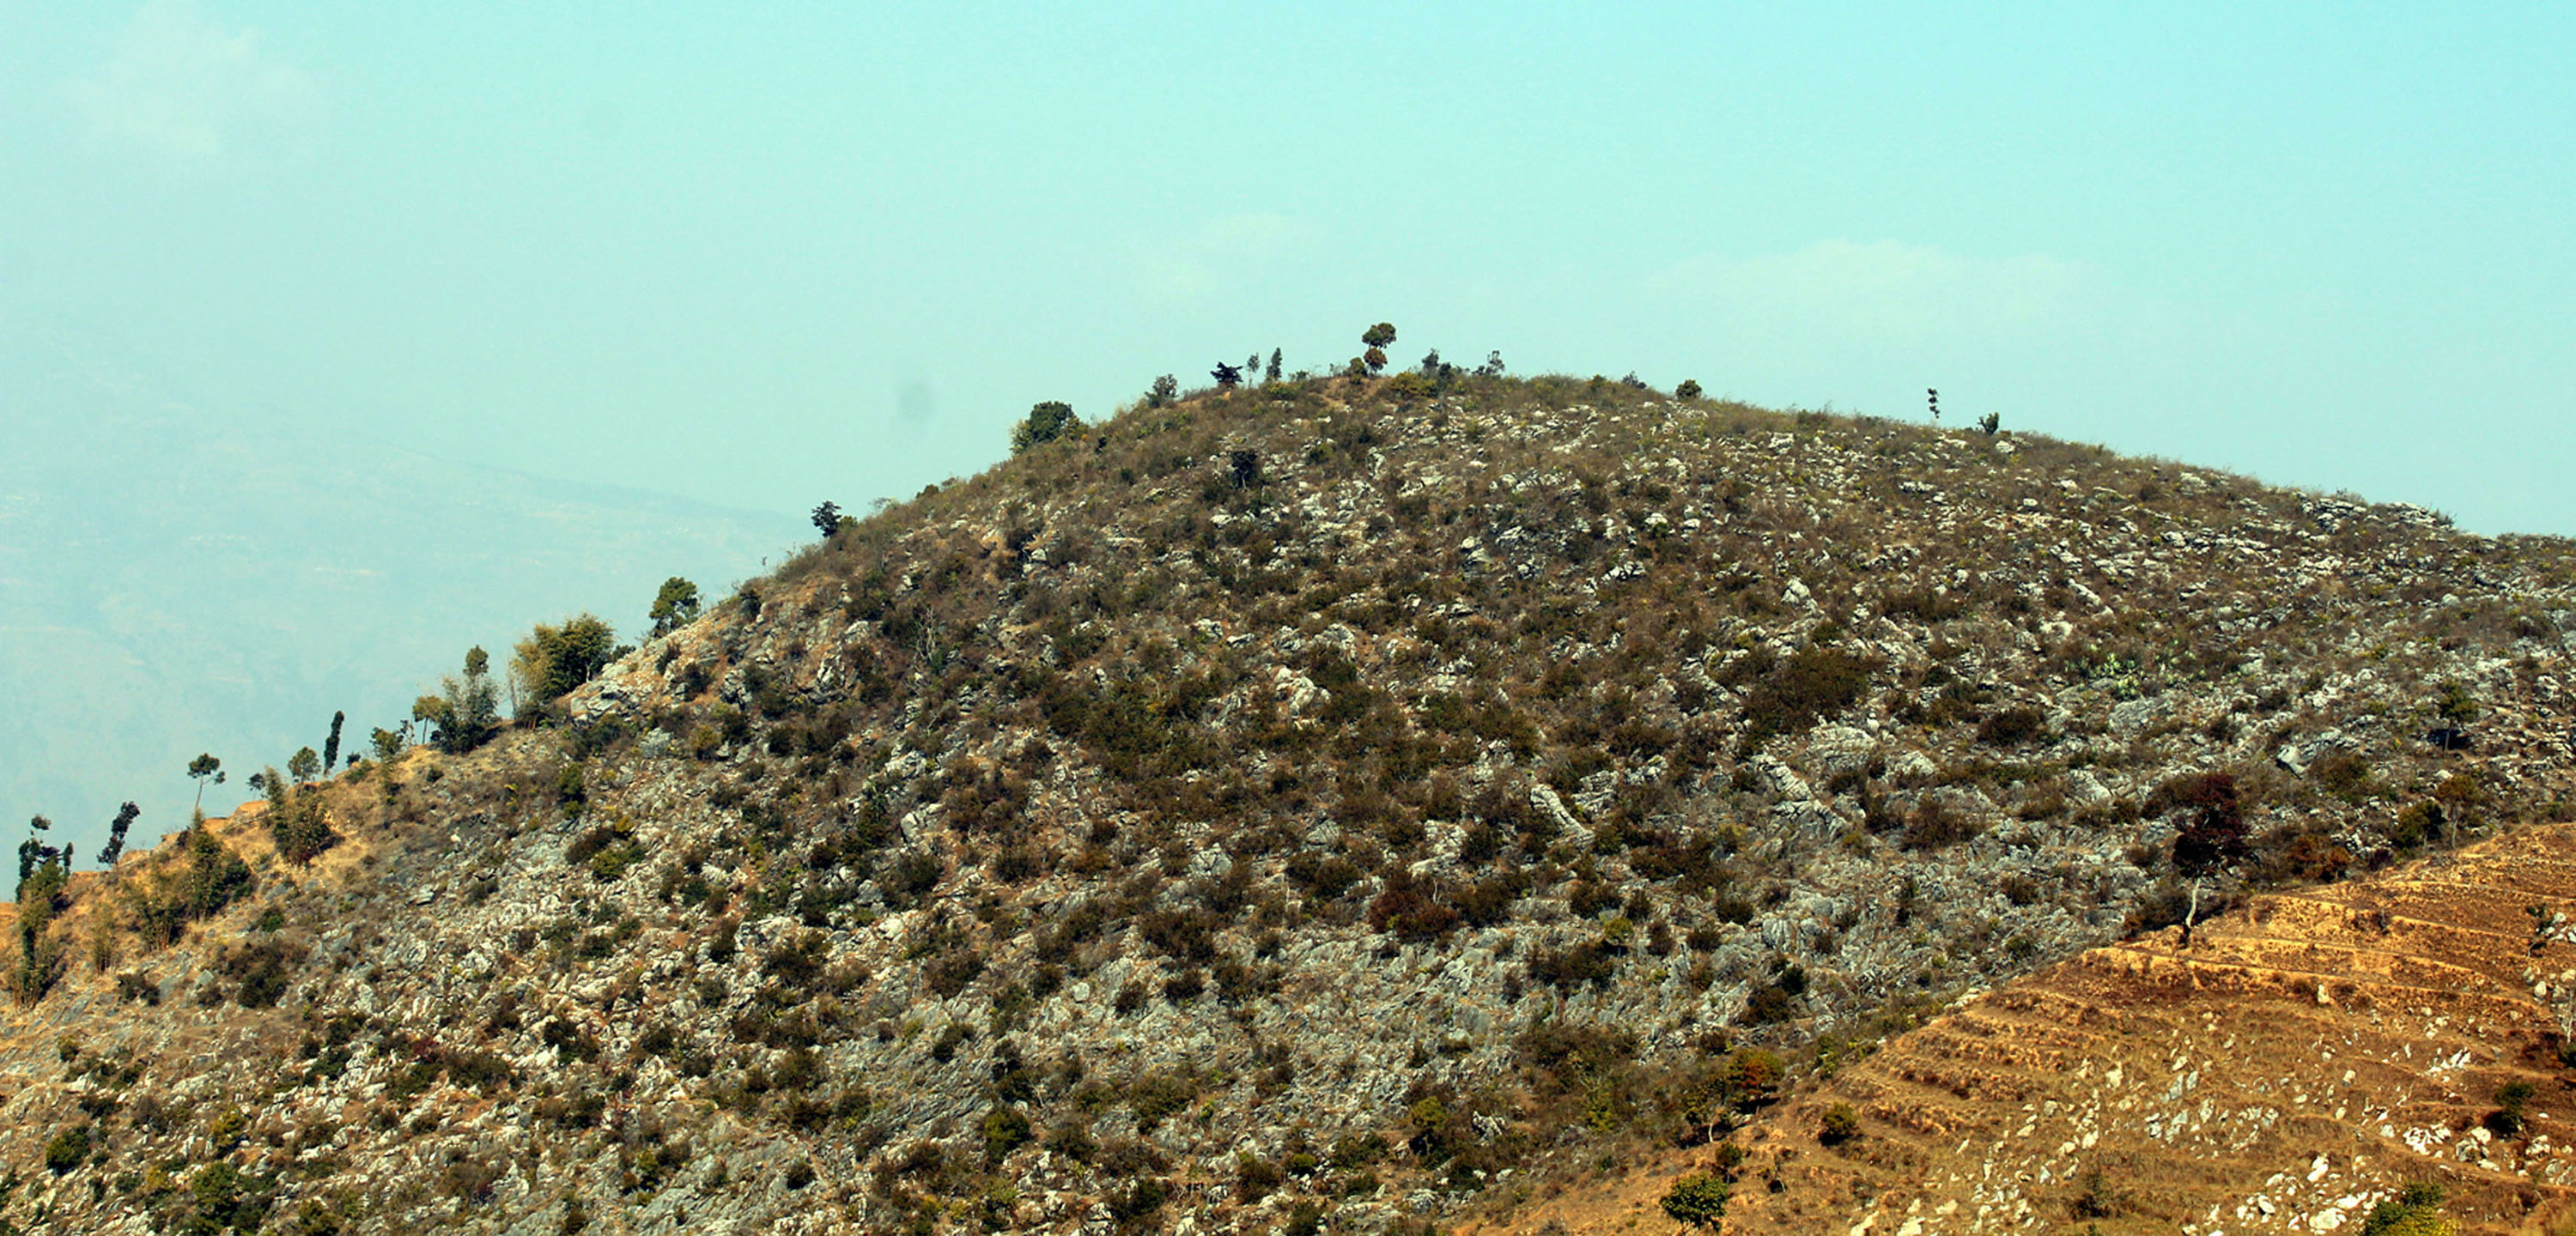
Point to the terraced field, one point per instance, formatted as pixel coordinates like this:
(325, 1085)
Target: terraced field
(2294, 1064)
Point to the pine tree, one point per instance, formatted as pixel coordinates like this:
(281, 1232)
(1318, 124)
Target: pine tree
(1271, 374)
(676, 606)
(203, 769)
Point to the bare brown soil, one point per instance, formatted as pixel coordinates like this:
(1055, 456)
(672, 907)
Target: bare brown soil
(2298, 1062)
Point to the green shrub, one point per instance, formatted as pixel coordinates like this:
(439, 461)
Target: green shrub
(2512, 1099)
(1791, 695)
(2415, 1211)
(1935, 826)
(1840, 1124)
(262, 968)
(1571, 967)
(1005, 1129)
(301, 828)
(2095, 1196)
(1046, 422)
(213, 878)
(68, 1149)
(1157, 1097)
(1698, 1200)
(1409, 386)
(1256, 1178)
(2012, 727)
(1304, 1219)
(222, 1197)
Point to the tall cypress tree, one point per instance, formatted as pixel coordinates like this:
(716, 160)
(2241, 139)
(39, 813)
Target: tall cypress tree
(116, 830)
(331, 745)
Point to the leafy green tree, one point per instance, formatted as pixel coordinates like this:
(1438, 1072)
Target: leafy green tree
(827, 519)
(1227, 376)
(466, 711)
(42, 873)
(1165, 389)
(33, 850)
(1271, 372)
(431, 711)
(1047, 422)
(331, 745)
(2212, 840)
(301, 828)
(555, 659)
(303, 765)
(674, 607)
(1375, 339)
(387, 744)
(202, 769)
(213, 879)
(1689, 389)
(116, 830)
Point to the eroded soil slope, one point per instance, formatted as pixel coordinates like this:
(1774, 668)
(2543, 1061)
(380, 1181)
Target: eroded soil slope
(2291, 1066)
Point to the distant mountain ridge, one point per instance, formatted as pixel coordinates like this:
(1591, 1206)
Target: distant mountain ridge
(177, 579)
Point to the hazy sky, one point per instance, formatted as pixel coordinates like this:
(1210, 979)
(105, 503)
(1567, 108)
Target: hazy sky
(766, 254)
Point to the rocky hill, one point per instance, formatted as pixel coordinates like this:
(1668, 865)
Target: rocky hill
(1327, 806)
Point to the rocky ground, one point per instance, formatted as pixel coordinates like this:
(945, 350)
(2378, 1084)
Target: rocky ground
(2297, 1065)
(1312, 808)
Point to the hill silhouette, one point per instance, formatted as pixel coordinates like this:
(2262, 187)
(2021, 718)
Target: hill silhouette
(1357, 804)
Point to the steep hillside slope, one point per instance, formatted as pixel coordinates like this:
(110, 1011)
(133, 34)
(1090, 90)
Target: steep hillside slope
(1318, 805)
(2297, 1065)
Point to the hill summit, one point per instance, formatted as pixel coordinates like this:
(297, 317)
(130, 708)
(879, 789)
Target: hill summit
(1332, 805)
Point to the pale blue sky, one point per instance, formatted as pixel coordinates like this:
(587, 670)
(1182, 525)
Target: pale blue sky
(766, 254)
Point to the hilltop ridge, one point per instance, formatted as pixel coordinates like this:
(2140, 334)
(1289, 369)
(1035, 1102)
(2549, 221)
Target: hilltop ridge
(1327, 805)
